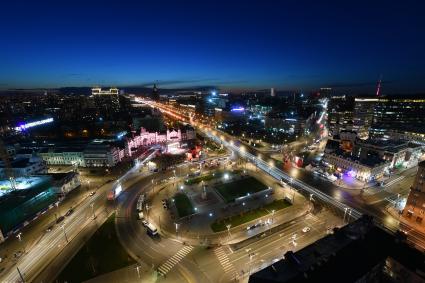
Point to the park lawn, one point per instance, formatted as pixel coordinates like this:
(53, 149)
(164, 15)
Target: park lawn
(183, 205)
(204, 178)
(101, 254)
(209, 177)
(220, 225)
(239, 188)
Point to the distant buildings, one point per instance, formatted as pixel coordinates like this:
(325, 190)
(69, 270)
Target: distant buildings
(155, 93)
(414, 212)
(379, 117)
(106, 99)
(363, 116)
(340, 114)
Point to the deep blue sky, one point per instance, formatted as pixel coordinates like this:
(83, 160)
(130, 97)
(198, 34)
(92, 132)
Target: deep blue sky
(232, 44)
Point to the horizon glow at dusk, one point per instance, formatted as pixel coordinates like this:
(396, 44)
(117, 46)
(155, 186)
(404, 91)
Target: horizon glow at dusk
(297, 45)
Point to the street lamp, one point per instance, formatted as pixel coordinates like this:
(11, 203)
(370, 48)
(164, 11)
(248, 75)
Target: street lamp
(228, 228)
(138, 271)
(64, 232)
(345, 212)
(19, 236)
(92, 209)
(177, 228)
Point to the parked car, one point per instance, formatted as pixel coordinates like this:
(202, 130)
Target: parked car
(69, 212)
(145, 223)
(92, 193)
(60, 219)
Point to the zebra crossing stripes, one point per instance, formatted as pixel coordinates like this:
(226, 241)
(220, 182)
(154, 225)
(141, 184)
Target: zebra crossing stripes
(224, 260)
(175, 259)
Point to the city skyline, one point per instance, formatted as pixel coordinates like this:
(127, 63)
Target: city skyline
(288, 46)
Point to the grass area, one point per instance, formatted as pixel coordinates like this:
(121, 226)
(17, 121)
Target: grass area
(199, 179)
(101, 254)
(183, 205)
(209, 177)
(220, 225)
(239, 188)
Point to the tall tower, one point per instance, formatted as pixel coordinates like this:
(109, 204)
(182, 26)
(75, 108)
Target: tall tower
(272, 93)
(378, 87)
(155, 93)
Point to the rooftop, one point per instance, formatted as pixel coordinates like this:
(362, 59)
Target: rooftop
(348, 255)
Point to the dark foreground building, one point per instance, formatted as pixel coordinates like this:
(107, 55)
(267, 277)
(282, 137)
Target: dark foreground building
(358, 252)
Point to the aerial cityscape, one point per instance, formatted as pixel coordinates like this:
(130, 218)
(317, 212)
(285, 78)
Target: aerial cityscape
(212, 141)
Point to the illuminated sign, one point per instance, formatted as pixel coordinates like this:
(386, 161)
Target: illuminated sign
(23, 127)
(237, 109)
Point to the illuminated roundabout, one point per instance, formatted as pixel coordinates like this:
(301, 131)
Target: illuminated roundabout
(170, 254)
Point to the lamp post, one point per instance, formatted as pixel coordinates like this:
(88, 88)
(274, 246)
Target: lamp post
(92, 209)
(64, 232)
(228, 229)
(138, 271)
(311, 201)
(345, 212)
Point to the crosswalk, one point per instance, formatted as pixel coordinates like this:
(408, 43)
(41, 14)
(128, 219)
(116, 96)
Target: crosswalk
(224, 260)
(172, 261)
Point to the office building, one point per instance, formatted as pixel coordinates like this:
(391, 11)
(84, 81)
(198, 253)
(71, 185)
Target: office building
(364, 109)
(340, 114)
(106, 100)
(400, 115)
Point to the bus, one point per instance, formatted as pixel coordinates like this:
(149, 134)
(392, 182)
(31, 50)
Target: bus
(151, 230)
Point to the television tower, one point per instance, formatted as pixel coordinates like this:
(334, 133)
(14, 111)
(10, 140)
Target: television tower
(378, 88)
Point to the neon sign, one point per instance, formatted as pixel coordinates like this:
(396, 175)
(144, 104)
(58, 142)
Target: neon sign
(237, 109)
(23, 127)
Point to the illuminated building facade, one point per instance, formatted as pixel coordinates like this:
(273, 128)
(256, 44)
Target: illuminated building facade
(363, 115)
(414, 211)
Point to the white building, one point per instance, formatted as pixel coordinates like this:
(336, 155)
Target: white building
(63, 183)
(146, 138)
(25, 166)
(362, 169)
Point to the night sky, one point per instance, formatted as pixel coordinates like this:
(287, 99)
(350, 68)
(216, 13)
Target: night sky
(289, 45)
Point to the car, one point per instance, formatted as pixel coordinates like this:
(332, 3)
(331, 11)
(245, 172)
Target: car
(69, 212)
(92, 193)
(306, 229)
(50, 228)
(60, 219)
(145, 223)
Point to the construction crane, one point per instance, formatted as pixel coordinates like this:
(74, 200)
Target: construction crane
(8, 170)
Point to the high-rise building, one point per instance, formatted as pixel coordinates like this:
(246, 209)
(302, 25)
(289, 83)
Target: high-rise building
(397, 114)
(363, 116)
(272, 93)
(155, 93)
(340, 114)
(107, 100)
(414, 211)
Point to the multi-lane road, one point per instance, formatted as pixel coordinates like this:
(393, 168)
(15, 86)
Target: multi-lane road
(320, 189)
